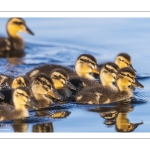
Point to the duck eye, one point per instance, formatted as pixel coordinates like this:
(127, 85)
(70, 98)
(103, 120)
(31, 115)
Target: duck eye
(43, 82)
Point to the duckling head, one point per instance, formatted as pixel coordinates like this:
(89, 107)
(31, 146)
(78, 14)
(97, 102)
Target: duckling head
(108, 73)
(60, 79)
(15, 25)
(86, 65)
(21, 97)
(124, 60)
(20, 81)
(126, 78)
(43, 85)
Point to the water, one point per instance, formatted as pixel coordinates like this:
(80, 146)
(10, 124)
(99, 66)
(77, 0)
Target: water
(61, 41)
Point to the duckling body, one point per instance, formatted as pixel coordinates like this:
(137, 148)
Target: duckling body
(21, 97)
(14, 44)
(105, 94)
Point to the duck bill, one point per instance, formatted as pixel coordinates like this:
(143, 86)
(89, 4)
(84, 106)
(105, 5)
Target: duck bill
(135, 125)
(138, 84)
(2, 96)
(95, 70)
(132, 67)
(69, 85)
(31, 104)
(53, 93)
(27, 30)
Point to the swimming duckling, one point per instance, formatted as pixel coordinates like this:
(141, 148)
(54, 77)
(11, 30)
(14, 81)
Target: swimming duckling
(14, 42)
(43, 91)
(85, 66)
(61, 83)
(21, 98)
(104, 95)
(9, 83)
(13, 82)
(124, 60)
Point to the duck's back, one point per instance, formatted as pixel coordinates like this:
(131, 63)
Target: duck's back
(100, 95)
(5, 45)
(46, 69)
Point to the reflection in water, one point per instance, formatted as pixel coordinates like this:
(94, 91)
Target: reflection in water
(19, 126)
(45, 127)
(15, 60)
(53, 114)
(117, 115)
(123, 124)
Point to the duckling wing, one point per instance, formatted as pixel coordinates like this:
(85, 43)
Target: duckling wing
(5, 45)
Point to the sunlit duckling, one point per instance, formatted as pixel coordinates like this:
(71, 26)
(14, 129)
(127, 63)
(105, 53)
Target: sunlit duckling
(104, 95)
(85, 66)
(13, 82)
(107, 75)
(43, 91)
(124, 60)
(61, 83)
(21, 98)
(9, 83)
(14, 42)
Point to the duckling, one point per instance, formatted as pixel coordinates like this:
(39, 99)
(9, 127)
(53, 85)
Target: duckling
(124, 60)
(43, 91)
(61, 83)
(14, 42)
(9, 83)
(104, 95)
(21, 98)
(85, 66)
(13, 82)
(107, 75)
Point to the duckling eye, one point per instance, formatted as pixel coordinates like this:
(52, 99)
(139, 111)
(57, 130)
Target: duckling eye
(43, 82)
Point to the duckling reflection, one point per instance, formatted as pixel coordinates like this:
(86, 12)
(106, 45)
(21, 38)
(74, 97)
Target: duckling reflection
(123, 123)
(53, 114)
(14, 44)
(44, 127)
(19, 126)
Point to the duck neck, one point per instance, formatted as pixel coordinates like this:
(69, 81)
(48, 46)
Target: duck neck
(22, 110)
